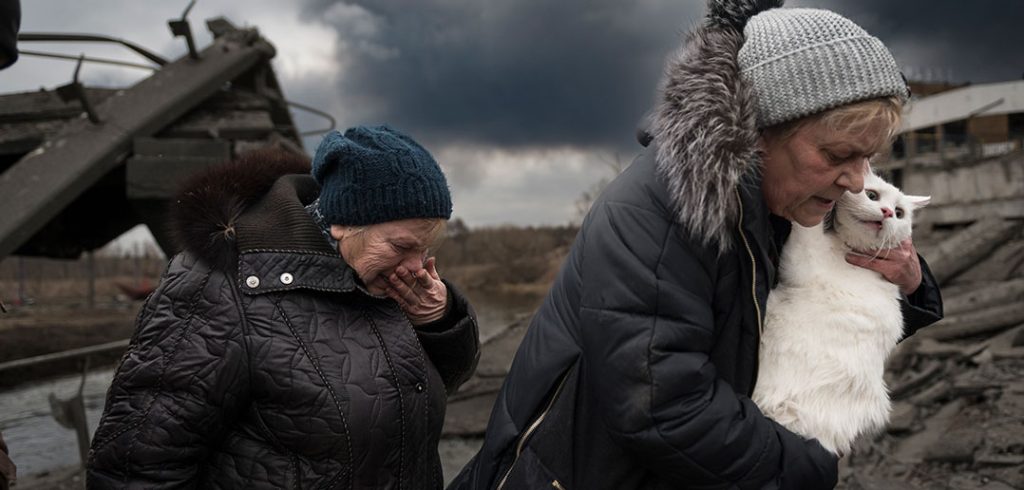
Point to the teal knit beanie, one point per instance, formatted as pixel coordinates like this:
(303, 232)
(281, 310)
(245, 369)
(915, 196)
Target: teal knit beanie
(377, 174)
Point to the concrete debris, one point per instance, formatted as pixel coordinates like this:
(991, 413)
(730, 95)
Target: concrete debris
(903, 419)
(971, 245)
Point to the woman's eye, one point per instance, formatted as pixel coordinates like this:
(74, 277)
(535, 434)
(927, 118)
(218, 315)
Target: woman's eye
(834, 158)
(871, 195)
(899, 213)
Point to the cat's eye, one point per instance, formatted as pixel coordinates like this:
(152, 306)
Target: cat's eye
(872, 195)
(899, 213)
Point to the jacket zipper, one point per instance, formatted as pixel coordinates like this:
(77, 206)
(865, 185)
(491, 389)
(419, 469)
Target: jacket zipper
(557, 485)
(753, 271)
(529, 430)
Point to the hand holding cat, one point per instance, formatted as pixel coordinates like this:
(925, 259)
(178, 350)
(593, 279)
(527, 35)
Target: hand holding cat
(899, 266)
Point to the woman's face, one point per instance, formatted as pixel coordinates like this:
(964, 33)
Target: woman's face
(805, 174)
(375, 251)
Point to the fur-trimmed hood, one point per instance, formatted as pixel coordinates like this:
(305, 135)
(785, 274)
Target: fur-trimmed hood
(704, 124)
(205, 214)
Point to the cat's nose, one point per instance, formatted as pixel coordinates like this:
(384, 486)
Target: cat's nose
(886, 213)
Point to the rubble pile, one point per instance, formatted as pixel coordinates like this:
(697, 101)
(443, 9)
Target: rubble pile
(957, 386)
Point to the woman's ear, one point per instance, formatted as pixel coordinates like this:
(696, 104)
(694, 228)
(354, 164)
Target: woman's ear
(762, 144)
(338, 232)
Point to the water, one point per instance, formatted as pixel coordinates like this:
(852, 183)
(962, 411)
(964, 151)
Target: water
(494, 311)
(38, 444)
(36, 441)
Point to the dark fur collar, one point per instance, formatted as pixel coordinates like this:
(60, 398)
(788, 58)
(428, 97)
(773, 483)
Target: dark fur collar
(205, 214)
(705, 125)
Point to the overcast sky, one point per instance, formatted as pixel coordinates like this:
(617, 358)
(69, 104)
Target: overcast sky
(526, 103)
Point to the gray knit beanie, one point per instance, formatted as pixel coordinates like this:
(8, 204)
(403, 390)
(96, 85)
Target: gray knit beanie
(800, 62)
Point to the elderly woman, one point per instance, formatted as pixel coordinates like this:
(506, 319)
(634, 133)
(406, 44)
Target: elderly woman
(303, 339)
(637, 370)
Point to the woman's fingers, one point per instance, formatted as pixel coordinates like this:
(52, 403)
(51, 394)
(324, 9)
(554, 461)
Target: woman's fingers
(423, 279)
(901, 268)
(404, 290)
(407, 277)
(395, 295)
(431, 267)
(420, 294)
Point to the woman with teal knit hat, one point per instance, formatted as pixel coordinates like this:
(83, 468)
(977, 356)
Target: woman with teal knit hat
(303, 338)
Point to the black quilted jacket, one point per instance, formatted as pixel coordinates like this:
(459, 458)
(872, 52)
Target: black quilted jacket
(270, 367)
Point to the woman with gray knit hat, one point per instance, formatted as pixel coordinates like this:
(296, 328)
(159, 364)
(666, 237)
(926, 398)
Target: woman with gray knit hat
(303, 338)
(638, 369)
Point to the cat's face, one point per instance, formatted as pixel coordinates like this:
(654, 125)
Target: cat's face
(878, 217)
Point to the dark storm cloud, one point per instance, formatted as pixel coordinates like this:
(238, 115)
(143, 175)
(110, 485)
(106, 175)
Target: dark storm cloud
(520, 73)
(541, 73)
(944, 40)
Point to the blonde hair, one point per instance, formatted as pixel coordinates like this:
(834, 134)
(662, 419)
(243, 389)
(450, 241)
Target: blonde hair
(857, 117)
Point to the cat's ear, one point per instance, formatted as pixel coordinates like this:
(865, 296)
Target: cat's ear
(919, 201)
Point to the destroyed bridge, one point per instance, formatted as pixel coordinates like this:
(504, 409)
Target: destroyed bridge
(80, 166)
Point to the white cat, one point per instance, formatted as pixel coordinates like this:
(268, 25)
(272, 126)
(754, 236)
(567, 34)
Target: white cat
(830, 325)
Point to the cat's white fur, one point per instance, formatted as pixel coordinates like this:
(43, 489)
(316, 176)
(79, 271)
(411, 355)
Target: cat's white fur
(830, 325)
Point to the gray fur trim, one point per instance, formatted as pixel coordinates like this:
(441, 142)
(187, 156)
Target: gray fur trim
(706, 134)
(734, 14)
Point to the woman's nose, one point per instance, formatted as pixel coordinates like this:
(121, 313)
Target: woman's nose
(852, 179)
(413, 263)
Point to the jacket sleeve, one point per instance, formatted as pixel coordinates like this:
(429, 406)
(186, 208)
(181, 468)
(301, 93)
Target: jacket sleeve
(10, 23)
(178, 386)
(8, 470)
(924, 306)
(453, 342)
(647, 327)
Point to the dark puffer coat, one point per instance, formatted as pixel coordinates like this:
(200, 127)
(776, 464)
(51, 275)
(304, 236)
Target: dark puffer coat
(637, 370)
(261, 362)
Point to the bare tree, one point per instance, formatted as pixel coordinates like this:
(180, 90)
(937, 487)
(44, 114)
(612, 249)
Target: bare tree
(587, 198)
